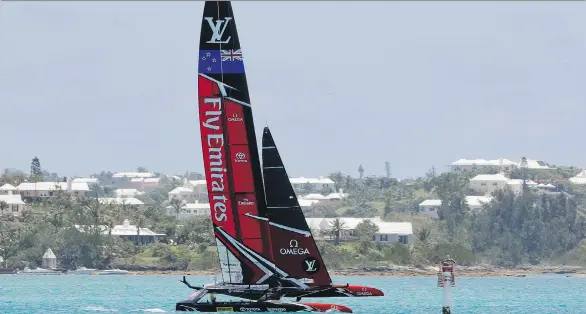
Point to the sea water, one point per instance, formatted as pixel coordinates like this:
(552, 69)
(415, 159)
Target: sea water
(152, 294)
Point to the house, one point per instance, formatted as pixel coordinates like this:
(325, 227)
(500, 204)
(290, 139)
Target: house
(42, 190)
(389, 232)
(13, 204)
(129, 232)
(312, 184)
(145, 183)
(89, 181)
(127, 193)
(124, 179)
(488, 183)
(190, 210)
(8, 189)
(121, 201)
(394, 232)
(191, 191)
(501, 164)
(306, 204)
(580, 178)
(431, 207)
(517, 184)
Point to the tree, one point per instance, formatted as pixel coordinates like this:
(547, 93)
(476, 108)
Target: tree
(178, 206)
(361, 171)
(366, 230)
(36, 171)
(3, 206)
(337, 226)
(142, 169)
(388, 169)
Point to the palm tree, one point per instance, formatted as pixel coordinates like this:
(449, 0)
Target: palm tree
(337, 226)
(178, 206)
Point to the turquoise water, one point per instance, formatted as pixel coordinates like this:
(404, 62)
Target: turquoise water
(144, 294)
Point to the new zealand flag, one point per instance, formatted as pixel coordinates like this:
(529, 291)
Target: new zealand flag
(221, 61)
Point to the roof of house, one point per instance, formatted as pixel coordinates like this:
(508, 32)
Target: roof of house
(127, 192)
(431, 203)
(49, 254)
(385, 227)
(520, 182)
(490, 177)
(320, 180)
(15, 199)
(180, 189)
(194, 206)
(8, 187)
(86, 180)
(125, 229)
(306, 203)
(472, 200)
(145, 180)
(120, 200)
(52, 186)
(132, 175)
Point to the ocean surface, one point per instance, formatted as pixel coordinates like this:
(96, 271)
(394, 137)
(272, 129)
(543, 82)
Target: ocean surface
(158, 294)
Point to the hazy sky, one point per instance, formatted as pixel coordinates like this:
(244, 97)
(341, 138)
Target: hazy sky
(91, 86)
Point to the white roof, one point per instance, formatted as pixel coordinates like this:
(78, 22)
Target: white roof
(306, 203)
(536, 164)
(478, 200)
(7, 187)
(125, 229)
(49, 254)
(399, 228)
(132, 175)
(302, 180)
(336, 196)
(313, 196)
(12, 199)
(520, 182)
(490, 177)
(180, 189)
(85, 180)
(52, 186)
(127, 192)
(471, 200)
(146, 180)
(197, 182)
(431, 203)
(120, 200)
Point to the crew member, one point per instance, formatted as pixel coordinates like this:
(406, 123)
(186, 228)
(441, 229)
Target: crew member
(213, 298)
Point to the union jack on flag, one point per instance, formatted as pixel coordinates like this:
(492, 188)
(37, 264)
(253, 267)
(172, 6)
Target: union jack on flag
(231, 55)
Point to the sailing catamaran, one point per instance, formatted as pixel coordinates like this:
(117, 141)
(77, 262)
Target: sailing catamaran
(265, 248)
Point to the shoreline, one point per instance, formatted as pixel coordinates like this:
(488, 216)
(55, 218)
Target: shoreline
(410, 271)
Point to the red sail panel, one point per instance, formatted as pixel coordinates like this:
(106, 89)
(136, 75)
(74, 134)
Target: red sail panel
(214, 147)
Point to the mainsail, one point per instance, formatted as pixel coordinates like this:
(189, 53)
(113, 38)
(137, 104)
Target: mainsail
(230, 152)
(294, 249)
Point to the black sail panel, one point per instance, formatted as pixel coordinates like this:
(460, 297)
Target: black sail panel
(294, 248)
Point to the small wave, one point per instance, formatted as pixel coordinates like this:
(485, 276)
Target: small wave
(155, 310)
(99, 309)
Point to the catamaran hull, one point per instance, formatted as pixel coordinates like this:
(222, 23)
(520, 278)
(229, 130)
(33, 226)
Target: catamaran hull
(260, 306)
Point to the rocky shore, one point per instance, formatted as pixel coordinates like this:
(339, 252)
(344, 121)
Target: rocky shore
(415, 271)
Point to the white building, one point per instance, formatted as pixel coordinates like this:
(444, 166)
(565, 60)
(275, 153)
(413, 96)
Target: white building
(190, 210)
(191, 191)
(145, 183)
(14, 205)
(431, 207)
(501, 164)
(127, 193)
(51, 189)
(88, 181)
(517, 184)
(389, 232)
(488, 183)
(313, 184)
(580, 178)
(129, 232)
(120, 201)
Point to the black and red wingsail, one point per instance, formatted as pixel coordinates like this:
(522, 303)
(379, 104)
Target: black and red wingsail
(230, 151)
(294, 249)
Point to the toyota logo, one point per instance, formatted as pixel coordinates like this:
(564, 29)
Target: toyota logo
(240, 156)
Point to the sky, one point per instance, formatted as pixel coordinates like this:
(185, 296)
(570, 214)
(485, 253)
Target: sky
(91, 86)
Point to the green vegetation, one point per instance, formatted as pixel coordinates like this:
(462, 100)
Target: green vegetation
(526, 228)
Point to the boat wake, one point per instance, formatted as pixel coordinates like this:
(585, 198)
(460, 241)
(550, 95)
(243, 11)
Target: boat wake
(99, 309)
